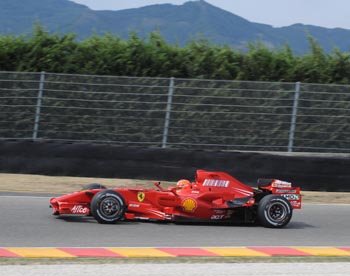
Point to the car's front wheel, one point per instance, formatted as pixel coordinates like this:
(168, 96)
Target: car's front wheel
(108, 207)
(274, 211)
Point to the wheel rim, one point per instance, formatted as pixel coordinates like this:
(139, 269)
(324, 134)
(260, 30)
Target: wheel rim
(277, 212)
(110, 207)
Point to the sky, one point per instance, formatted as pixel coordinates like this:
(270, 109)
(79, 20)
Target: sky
(278, 13)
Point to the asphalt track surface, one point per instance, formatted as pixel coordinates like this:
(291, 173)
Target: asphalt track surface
(26, 221)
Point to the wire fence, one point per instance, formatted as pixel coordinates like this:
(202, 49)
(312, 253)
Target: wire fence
(175, 113)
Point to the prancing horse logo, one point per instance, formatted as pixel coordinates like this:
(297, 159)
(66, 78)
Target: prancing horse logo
(141, 196)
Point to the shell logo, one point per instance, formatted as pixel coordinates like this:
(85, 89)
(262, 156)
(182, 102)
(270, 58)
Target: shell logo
(189, 205)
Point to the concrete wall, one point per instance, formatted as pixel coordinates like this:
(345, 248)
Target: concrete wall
(311, 172)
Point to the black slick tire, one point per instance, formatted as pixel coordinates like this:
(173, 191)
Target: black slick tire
(274, 211)
(108, 207)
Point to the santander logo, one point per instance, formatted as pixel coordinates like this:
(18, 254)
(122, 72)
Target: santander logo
(79, 209)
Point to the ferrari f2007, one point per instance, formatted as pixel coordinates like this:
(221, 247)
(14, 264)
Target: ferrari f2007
(212, 197)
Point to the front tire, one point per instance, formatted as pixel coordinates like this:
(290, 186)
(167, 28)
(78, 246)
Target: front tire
(108, 207)
(274, 211)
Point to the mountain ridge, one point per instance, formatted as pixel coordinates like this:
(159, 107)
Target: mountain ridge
(176, 23)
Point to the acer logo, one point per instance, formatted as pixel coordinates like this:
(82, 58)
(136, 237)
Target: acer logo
(217, 217)
(79, 209)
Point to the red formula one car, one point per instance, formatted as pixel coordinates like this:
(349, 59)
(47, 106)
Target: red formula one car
(214, 196)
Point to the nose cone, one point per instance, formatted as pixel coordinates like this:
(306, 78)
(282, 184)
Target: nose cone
(54, 205)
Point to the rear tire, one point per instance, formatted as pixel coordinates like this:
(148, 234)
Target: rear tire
(108, 206)
(274, 211)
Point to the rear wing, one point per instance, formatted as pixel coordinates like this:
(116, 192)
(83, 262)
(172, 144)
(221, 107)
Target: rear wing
(282, 188)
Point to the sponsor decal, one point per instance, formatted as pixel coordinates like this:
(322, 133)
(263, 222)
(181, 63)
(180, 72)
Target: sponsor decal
(216, 217)
(189, 205)
(195, 192)
(216, 183)
(141, 196)
(284, 191)
(134, 205)
(292, 196)
(281, 184)
(79, 209)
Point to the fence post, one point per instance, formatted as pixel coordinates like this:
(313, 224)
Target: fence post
(167, 113)
(38, 105)
(294, 117)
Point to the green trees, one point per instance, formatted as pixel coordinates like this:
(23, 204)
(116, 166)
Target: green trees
(153, 57)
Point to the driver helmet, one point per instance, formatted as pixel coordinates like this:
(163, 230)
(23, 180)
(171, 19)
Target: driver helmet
(183, 183)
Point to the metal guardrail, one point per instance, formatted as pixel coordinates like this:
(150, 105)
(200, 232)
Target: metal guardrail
(175, 113)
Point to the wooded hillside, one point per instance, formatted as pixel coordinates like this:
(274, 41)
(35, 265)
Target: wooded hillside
(153, 57)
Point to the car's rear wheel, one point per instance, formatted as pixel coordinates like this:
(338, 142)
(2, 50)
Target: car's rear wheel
(93, 186)
(108, 207)
(274, 211)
